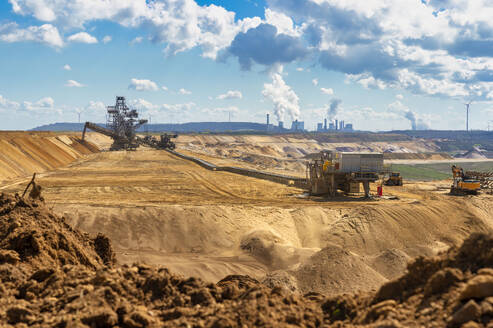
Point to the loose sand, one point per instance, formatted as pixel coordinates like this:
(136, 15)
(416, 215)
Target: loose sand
(161, 210)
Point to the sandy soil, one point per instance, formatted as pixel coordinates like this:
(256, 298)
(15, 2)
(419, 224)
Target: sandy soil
(159, 209)
(22, 153)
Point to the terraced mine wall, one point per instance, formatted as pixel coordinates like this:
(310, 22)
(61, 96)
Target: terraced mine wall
(278, 178)
(23, 153)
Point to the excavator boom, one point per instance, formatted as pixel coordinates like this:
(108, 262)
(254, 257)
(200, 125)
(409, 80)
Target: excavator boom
(98, 129)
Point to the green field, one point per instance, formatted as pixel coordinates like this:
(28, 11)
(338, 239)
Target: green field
(437, 171)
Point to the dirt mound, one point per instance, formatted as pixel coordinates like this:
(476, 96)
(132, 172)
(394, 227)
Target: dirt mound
(54, 276)
(448, 290)
(37, 237)
(334, 270)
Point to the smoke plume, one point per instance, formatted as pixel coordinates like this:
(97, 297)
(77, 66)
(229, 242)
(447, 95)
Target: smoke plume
(412, 118)
(333, 108)
(284, 98)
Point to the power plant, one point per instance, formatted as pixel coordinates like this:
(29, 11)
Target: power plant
(335, 126)
(299, 126)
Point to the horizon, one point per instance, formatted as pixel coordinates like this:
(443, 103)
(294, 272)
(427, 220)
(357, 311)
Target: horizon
(380, 66)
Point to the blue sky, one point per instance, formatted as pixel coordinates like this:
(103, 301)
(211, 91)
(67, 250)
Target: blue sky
(388, 64)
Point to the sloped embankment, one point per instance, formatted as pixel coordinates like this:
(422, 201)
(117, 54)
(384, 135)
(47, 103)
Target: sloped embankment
(23, 153)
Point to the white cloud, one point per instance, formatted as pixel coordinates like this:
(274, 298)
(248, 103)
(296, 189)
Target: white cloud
(73, 84)
(67, 67)
(82, 37)
(300, 69)
(107, 39)
(231, 94)
(47, 34)
(46, 103)
(399, 97)
(95, 106)
(315, 82)
(6, 104)
(183, 91)
(284, 98)
(327, 91)
(180, 24)
(282, 22)
(143, 85)
(136, 40)
(165, 88)
(152, 109)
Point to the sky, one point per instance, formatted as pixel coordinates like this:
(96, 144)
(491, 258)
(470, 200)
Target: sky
(379, 64)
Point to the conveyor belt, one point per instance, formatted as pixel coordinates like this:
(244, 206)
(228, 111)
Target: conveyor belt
(279, 178)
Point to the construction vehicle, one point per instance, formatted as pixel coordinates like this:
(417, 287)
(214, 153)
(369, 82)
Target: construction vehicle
(344, 171)
(164, 141)
(122, 124)
(395, 179)
(462, 184)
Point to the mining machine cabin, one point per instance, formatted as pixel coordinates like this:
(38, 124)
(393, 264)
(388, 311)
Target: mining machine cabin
(344, 171)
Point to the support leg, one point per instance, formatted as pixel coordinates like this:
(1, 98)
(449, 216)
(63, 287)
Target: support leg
(366, 187)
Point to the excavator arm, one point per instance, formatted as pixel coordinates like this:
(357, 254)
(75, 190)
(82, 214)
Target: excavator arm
(97, 128)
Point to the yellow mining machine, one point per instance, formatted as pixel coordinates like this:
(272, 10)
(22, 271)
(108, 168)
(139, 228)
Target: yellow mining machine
(395, 179)
(344, 171)
(463, 184)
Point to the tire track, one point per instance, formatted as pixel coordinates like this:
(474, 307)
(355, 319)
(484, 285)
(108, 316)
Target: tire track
(212, 187)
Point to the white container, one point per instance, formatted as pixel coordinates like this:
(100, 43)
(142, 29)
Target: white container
(361, 162)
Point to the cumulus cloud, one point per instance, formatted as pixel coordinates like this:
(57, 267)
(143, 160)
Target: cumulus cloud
(183, 91)
(231, 94)
(315, 82)
(136, 40)
(179, 24)
(165, 88)
(95, 106)
(434, 47)
(6, 104)
(73, 84)
(143, 85)
(327, 91)
(231, 110)
(399, 96)
(47, 34)
(150, 108)
(107, 39)
(285, 100)
(67, 67)
(82, 37)
(46, 103)
(264, 45)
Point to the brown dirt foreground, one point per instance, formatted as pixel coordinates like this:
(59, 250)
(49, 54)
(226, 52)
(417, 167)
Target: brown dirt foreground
(55, 276)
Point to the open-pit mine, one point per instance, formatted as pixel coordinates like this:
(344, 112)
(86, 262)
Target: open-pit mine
(287, 255)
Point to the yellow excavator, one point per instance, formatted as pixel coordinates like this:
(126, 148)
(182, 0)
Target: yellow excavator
(462, 184)
(395, 179)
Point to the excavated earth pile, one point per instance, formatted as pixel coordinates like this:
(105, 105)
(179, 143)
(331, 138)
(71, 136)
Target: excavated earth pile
(54, 276)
